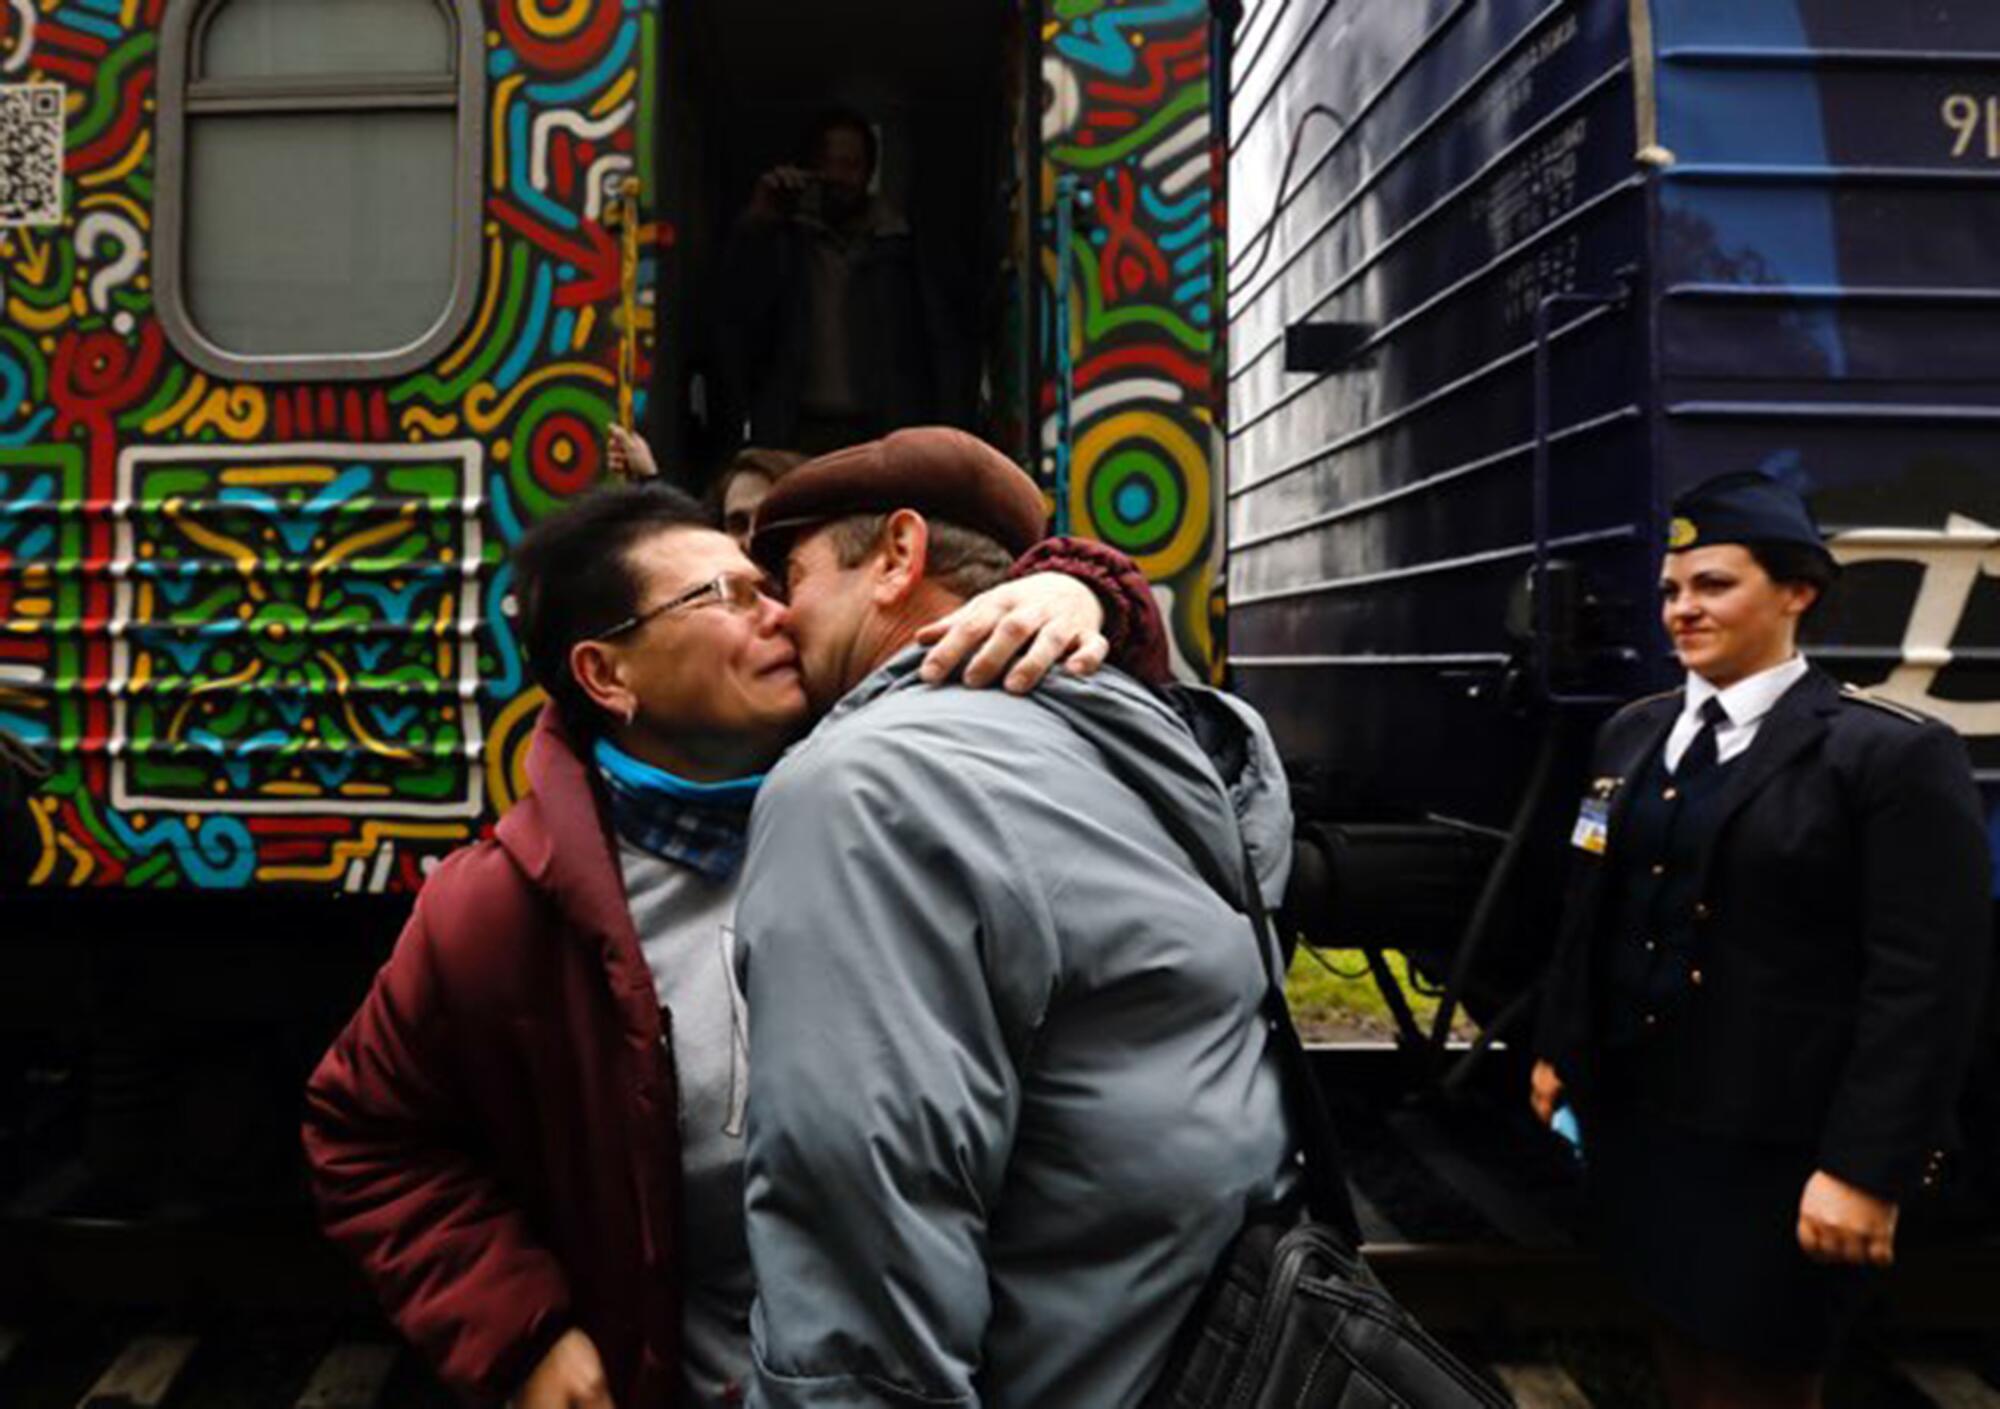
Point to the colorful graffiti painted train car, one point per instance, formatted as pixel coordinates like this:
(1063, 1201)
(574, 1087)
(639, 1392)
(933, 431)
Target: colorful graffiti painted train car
(309, 309)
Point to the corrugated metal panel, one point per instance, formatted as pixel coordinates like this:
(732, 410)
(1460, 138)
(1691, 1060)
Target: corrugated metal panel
(1829, 274)
(1477, 157)
(1816, 244)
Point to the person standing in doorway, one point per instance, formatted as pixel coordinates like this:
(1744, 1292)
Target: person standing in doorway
(830, 334)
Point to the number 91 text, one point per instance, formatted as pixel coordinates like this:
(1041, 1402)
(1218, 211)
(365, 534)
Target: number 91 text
(1970, 116)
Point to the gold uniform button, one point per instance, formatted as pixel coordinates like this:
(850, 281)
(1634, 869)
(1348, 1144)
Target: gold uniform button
(1701, 910)
(1670, 794)
(1659, 868)
(1694, 977)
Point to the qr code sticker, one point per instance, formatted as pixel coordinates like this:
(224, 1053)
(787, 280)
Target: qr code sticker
(31, 153)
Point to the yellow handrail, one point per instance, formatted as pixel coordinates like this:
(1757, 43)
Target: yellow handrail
(627, 208)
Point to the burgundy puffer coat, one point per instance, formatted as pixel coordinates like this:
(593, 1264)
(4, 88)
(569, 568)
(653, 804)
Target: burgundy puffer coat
(493, 1136)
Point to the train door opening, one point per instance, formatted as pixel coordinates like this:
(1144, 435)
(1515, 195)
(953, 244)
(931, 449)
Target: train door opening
(744, 84)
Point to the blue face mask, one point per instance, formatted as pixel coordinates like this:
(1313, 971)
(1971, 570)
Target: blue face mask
(701, 825)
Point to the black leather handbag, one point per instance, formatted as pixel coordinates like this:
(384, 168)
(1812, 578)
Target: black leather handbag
(1293, 1317)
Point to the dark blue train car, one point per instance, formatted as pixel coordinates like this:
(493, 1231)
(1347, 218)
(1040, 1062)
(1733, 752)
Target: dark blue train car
(1508, 274)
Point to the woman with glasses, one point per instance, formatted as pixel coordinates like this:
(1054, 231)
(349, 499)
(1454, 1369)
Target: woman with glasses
(530, 1136)
(1765, 995)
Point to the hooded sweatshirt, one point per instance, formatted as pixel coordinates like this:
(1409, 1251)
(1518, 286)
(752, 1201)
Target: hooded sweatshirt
(1010, 1092)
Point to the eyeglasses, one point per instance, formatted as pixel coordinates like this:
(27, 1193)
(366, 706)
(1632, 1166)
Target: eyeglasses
(733, 591)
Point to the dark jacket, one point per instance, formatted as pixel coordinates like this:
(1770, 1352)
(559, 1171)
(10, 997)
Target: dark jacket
(492, 1137)
(906, 360)
(1843, 936)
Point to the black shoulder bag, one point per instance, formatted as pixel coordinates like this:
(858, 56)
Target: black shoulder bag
(1293, 1317)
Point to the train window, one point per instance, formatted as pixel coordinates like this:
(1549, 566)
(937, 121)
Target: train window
(319, 170)
(293, 38)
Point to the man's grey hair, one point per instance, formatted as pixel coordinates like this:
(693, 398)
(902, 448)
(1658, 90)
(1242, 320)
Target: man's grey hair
(963, 562)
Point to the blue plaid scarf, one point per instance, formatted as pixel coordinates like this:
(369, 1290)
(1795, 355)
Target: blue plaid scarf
(703, 825)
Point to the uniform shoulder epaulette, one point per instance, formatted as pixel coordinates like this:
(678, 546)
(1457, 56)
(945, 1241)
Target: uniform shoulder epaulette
(1854, 694)
(1643, 700)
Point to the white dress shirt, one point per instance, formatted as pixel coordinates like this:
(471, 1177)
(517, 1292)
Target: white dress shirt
(1746, 702)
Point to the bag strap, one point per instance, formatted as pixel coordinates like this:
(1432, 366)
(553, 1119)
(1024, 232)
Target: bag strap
(1325, 1164)
(1226, 740)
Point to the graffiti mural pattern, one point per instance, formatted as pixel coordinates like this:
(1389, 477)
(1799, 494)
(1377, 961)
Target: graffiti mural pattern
(1126, 113)
(262, 630)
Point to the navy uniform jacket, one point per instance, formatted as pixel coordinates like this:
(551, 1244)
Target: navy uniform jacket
(1844, 930)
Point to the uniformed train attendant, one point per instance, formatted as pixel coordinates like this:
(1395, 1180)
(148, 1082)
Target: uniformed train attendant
(1765, 993)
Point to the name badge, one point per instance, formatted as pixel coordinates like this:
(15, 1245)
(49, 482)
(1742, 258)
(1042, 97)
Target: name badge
(1592, 821)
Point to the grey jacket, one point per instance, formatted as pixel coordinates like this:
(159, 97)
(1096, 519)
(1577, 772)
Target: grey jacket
(1010, 1096)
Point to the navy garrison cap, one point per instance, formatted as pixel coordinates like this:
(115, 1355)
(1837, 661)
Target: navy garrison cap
(1745, 506)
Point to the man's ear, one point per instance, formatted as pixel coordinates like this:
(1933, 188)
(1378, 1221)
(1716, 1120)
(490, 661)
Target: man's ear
(905, 548)
(599, 674)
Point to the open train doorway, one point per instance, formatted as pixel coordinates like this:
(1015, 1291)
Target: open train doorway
(927, 331)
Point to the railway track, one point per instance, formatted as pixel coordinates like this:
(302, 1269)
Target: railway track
(216, 1360)
(1471, 1216)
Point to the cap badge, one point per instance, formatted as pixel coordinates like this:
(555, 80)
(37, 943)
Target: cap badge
(1681, 533)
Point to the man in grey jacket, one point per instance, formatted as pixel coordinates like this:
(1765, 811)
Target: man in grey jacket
(1010, 1094)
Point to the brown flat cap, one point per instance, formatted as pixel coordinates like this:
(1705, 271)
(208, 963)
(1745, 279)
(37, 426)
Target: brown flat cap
(943, 474)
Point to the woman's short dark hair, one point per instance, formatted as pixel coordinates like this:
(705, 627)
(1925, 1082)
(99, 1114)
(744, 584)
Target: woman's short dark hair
(573, 578)
(1797, 563)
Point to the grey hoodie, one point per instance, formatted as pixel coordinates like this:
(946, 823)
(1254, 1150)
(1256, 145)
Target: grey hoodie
(1009, 1095)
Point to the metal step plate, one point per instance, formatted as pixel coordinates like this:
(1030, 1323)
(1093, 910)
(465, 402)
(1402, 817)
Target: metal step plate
(349, 1377)
(143, 1375)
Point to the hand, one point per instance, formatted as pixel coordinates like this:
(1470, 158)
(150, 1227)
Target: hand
(571, 1376)
(1840, 1223)
(628, 454)
(1545, 1091)
(777, 192)
(1033, 622)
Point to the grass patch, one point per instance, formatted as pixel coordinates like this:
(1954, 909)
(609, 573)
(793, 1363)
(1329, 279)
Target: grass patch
(1334, 997)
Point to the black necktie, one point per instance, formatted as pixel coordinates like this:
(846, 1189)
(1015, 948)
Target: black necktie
(1700, 755)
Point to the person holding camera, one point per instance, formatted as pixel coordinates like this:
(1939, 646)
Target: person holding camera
(830, 334)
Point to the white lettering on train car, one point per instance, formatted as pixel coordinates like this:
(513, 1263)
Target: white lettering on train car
(1953, 559)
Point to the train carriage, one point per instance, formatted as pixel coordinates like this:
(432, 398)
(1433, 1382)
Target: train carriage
(309, 307)
(1507, 276)
(327, 302)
